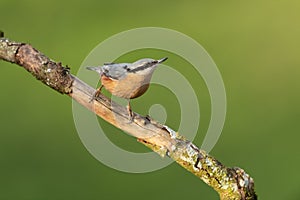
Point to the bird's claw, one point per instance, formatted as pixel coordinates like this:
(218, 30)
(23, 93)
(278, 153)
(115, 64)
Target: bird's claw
(96, 94)
(130, 113)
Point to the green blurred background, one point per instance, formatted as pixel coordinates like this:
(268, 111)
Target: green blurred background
(255, 45)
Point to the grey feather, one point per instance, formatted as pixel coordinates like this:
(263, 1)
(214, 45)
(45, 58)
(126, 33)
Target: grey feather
(115, 71)
(119, 71)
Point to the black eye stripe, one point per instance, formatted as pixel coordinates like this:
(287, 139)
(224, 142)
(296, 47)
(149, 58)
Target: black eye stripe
(142, 67)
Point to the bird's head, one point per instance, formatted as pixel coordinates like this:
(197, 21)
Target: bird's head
(144, 66)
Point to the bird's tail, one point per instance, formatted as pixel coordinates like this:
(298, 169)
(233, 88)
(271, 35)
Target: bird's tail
(96, 69)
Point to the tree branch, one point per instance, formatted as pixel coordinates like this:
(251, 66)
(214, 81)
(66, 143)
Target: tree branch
(230, 183)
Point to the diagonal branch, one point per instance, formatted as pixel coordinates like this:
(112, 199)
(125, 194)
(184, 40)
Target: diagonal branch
(230, 183)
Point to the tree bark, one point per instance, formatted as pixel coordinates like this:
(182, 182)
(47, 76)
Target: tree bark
(230, 183)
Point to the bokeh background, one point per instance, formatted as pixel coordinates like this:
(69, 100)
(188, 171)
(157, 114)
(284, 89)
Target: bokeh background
(255, 45)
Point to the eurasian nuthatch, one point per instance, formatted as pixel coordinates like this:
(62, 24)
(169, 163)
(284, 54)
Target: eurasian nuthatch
(126, 80)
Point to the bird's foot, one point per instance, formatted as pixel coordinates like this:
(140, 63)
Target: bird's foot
(130, 113)
(96, 94)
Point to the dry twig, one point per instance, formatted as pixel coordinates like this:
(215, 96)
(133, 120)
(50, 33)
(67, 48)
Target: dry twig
(230, 183)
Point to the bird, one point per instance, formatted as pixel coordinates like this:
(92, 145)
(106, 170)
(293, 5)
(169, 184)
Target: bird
(126, 80)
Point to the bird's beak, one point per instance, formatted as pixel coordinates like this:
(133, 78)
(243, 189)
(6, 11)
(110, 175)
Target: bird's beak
(162, 60)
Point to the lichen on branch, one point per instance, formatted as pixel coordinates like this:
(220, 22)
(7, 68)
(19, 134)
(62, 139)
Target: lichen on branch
(231, 183)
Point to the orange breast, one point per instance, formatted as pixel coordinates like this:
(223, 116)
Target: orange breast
(139, 91)
(129, 87)
(108, 83)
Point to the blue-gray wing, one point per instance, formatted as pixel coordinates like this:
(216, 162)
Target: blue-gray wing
(115, 71)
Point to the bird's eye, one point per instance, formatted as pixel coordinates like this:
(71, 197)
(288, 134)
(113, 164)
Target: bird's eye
(126, 67)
